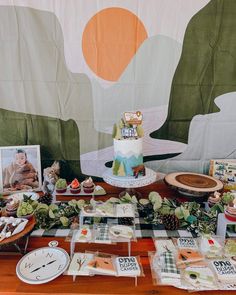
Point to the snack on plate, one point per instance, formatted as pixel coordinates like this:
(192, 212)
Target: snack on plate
(164, 245)
(88, 185)
(188, 256)
(83, 235)
(78, 265)
(61, 186)
(102, 264)
(10, 226)
(75, 186)
(200, 277)
(122, 231)
(11, 207)
(210, 246)
(230, 248)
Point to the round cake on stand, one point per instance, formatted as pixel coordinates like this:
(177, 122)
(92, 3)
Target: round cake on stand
(128, 170)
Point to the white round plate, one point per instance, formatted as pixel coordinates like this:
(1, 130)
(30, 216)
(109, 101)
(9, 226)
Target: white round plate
(130, 181)
(42, 265)
(19, 196)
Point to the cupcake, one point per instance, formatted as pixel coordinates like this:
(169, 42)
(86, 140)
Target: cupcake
(61, 186)
(11, 207)
(88, 185)
(75, 186)
(230, 211)
(214, 199)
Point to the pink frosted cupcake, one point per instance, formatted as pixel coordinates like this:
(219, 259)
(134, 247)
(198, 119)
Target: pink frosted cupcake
(88, 185)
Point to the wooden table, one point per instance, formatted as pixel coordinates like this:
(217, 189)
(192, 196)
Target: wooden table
(10, 284)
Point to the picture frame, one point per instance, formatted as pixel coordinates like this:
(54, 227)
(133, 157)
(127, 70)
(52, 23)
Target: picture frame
(224, 170)
(20, 169)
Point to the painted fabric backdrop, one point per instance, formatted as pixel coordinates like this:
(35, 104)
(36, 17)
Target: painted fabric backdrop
(69, 69)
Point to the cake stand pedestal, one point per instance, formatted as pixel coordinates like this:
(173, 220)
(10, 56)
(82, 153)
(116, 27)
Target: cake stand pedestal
(129, 182)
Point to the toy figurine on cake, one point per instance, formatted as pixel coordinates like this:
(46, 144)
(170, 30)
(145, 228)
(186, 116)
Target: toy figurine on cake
(128, 146)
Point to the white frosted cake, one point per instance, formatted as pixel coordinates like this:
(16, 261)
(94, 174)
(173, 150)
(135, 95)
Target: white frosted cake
(128, 149)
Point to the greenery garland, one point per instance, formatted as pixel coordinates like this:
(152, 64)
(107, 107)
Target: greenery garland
(191, 215)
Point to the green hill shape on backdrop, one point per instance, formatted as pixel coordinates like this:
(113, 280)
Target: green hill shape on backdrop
(207, 68)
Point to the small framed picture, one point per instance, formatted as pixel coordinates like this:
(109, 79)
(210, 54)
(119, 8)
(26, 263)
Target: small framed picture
(20, 168)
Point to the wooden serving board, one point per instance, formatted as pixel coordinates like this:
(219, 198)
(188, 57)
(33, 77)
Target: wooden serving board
(193, 184)
(28, 228)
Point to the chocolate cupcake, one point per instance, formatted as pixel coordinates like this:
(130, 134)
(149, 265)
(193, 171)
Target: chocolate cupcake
(88, 185)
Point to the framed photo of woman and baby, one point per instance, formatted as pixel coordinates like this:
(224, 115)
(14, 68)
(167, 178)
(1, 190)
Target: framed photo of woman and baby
(20, 168)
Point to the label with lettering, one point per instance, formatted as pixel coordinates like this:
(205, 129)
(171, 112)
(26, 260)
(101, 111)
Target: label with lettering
(127, 266)
(225, 270)
(187, 243)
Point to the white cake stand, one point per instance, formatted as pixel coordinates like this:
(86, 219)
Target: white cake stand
(129, 182)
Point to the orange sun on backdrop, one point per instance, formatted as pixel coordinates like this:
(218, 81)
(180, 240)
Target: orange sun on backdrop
(110, 39)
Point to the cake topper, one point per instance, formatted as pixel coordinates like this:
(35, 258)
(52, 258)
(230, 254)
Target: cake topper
(133, 118)
(129, 127)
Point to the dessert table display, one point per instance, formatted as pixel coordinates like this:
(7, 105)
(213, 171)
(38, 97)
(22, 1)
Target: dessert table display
(119, 285)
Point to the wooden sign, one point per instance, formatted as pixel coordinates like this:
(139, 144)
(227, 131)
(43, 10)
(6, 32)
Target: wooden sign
(133, 118)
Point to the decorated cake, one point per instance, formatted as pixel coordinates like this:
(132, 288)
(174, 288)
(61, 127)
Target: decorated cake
(128, 146)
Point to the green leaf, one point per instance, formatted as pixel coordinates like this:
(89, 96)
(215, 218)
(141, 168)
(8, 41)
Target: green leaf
(134, 200)
(80, 203)
(92, 202)
(154, 197)
(53, 207)
(42, 207)
(179, 213)
(72, 203)
(167, 202)
(51, 214)
(157, 205)
(144, 202)
(191, 219)
(126, 198)
(185, 213)
(164, 210)
(113, 200)
(64, 220)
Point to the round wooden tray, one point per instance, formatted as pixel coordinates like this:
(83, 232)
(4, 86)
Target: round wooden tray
(13, 239)
(193, 184)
